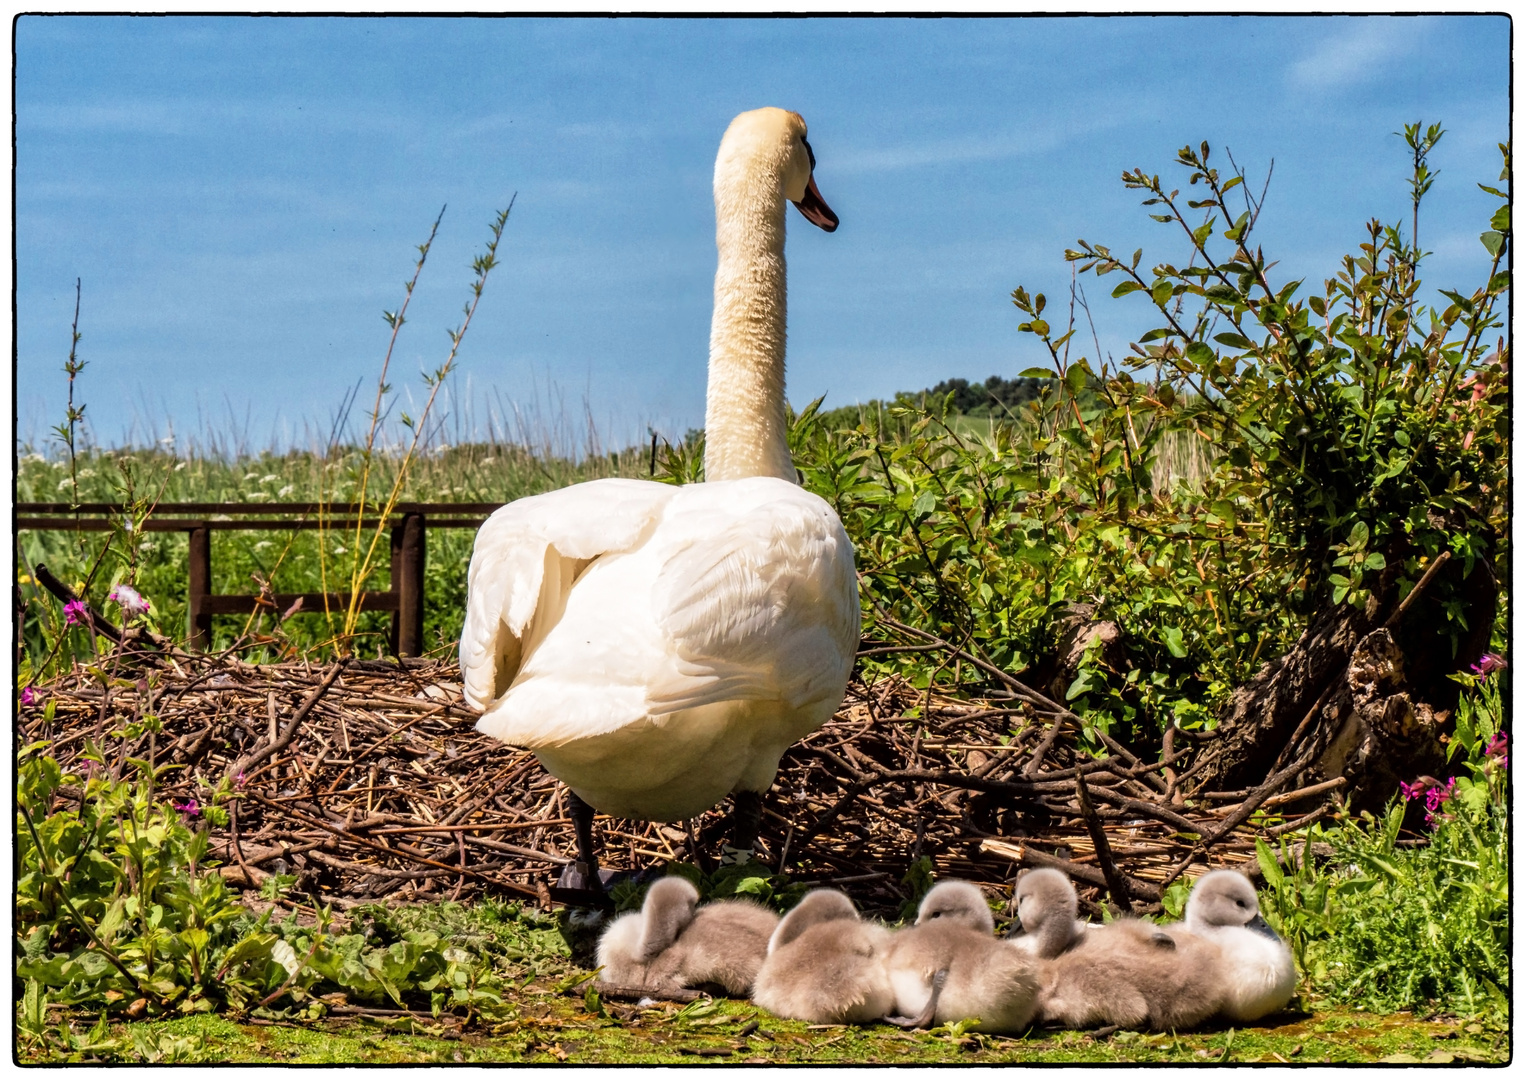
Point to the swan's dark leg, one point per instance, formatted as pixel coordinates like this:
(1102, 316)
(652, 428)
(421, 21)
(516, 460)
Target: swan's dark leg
(925, 1017)
(582, 821)
(746, 823)
(580, 883)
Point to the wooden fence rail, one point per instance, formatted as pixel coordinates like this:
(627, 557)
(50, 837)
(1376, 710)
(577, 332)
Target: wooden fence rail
(405, 599)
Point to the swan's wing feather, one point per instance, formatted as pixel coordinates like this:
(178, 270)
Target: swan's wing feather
(526, 556)
(764, 607)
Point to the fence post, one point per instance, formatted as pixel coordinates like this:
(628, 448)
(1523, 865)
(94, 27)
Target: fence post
(199, 582)
(408, 558)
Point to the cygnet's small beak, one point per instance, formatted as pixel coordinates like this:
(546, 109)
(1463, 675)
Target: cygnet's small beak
(1260, 926)
(815, 209)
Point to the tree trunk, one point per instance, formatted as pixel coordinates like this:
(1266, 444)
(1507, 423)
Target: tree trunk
(1386, 700)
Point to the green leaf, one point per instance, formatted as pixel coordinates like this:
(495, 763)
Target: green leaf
(1038, 373)
(1125, 288)
(1359, 535)
(1162, 292)
(1493, 241)
(1172, 637)
(1199, 353)
(1234, 341)
(1268, 865)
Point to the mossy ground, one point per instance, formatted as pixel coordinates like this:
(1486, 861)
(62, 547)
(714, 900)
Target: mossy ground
(549, 1028)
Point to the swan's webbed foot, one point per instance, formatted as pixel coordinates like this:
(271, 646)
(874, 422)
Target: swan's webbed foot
(582, 883)
(924, 1018)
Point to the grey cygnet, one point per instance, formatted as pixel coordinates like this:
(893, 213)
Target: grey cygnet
(950, 966)
(672, 943)
(1256, 966)
(825, 965)
(1128, 973)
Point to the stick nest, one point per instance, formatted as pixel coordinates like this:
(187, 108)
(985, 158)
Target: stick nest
(369, 780)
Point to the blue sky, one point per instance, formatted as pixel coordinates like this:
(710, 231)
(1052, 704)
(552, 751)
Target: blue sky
(241, 197)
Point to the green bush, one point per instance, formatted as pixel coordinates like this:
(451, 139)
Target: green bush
(1421, 927)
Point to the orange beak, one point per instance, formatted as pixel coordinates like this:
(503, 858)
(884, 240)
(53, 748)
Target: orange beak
(815, 209)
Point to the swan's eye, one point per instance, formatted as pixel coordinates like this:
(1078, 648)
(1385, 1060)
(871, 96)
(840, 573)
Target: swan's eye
(809, 151)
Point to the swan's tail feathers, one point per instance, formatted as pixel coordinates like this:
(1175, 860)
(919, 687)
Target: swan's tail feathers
(526, 557)
(503, 591)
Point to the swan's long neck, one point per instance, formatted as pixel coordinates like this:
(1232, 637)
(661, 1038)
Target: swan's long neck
(745, 430)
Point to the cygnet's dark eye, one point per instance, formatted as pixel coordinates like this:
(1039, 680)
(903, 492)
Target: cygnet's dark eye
(809, 151)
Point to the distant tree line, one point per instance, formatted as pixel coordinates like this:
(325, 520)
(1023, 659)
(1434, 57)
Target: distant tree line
(995, 397)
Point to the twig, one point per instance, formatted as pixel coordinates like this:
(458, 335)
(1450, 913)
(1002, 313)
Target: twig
(243, 765)
(622, 992)
(1109, 871)
(1022, 853)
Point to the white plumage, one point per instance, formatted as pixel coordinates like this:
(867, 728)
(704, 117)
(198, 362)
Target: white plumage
(657, 646)
(660, 647)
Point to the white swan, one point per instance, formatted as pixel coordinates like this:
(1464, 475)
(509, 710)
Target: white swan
(659, 647)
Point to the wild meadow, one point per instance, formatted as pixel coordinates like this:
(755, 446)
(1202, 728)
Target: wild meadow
(1274, 455)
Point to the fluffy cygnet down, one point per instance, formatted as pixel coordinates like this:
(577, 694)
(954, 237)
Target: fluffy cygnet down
(825, 965)
(1129, 973)
(950, 966)
(671, 943)
(1256, 966)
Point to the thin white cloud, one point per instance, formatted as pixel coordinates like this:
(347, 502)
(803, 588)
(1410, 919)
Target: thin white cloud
(966, 148)
(1357, 49)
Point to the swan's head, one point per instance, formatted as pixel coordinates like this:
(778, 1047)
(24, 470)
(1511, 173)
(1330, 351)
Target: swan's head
(772, 142)
(1225, 898)
(957, 901)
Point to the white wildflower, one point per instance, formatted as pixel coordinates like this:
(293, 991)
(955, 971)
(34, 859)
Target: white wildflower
(131, 601)
(282, 953)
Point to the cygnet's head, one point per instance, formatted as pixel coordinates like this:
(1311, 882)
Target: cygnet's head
(817, 906)
(772, 142)
(667, 909)
(1045, 898)
(957, 901)
(1225, 898)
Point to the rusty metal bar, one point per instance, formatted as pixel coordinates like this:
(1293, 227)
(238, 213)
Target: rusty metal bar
(409, 585)
(199, 590)
(312, 602)
(405, 599)
(202, 509)
(152, 524)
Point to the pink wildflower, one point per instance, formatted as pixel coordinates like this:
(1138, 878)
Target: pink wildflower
(1411, 791)
(239, 780)
(132, 602)
(1487, 664)
(1498, 749)
(75, 613)
(190, 808)
(1435, 798)
(29, 695)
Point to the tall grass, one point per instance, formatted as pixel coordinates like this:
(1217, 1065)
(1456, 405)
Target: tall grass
(288, 561)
